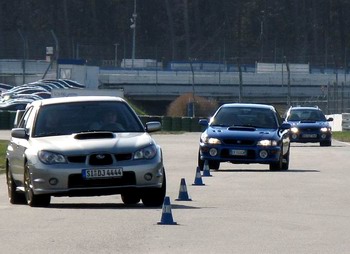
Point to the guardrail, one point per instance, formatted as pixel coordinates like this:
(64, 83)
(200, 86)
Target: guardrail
(188, 124)
(341, 122)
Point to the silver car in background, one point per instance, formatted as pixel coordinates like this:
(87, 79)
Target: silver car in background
(62, 147)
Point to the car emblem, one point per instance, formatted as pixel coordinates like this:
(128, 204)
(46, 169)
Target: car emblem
(100, 156)
(239, 142)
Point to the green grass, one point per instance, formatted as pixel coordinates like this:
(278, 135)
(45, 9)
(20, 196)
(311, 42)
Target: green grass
(338, 135)
(3, 145)
(342, 136)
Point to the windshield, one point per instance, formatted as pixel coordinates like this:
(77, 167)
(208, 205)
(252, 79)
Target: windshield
(247, 117)
(306, 115)
(68, 118)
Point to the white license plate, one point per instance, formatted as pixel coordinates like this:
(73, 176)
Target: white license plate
(235, 152)
(309, 135)
(102, 173)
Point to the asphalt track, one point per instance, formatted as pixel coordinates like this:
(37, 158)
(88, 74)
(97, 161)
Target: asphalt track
(239, 209)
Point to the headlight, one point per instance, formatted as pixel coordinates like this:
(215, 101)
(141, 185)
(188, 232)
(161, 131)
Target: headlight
(267, 142)
(294, 129)
(146, 153)
(324, 129)
(47, 157)
(212, 141)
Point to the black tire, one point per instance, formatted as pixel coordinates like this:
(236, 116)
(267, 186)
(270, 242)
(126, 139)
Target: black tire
(215, 165)
(154, 197)
(200, 162)
(277, 165)
(285, 161)
(326, 143)
(14, 196)
(32, 199)
(130, 198)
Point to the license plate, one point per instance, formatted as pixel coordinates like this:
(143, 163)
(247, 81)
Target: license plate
(238, 152)
(102, 173)
(309, 135)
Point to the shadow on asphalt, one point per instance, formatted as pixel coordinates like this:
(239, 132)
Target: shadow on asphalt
(114, 206)
(267, 170)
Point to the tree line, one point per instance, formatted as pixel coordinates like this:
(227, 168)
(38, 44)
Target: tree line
(302, 31)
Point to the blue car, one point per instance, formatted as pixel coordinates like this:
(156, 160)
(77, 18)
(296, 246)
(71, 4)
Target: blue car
(245, 133)
(309, 125)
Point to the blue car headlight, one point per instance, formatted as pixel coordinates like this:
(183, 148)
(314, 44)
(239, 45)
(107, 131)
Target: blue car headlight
(209, 141)
(48, 157)
(324, 129)
(267, 142)
(294, 130)
(145, 153)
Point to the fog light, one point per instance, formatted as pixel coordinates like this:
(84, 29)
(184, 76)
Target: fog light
(323, 135)
(213, 152)
(263, 154)
(53, 181)
(294, 136)
(148, 176)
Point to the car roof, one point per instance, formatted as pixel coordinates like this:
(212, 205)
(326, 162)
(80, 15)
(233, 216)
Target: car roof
(309, 108)
(249, 105)
(73, 99)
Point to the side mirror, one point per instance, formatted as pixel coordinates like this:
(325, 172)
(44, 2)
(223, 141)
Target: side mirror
(153, 126)
(285, 126)
(19, 133)
(330, 119)
(203, 122)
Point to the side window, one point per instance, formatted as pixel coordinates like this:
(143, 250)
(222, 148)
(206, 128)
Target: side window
(27, 119)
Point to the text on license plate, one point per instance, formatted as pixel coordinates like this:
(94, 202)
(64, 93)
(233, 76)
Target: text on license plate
(309, 135)
(102, 173)
(235, 152)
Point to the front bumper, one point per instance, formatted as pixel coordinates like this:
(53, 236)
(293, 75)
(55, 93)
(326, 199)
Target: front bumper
(252, 154)
(61, 180)
(307, 137)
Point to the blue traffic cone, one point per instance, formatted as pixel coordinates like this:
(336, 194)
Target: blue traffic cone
(198, 178)
(167, 217)
(183, 195)
(206, 169)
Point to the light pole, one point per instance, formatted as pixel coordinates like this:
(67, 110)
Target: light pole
(133, 26)
(116, 54)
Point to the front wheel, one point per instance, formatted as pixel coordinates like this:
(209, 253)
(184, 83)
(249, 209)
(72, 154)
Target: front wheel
(274, 166)
(14, 196)
(215, 165)
(326, 143)
(154, 197)
(130, 198)
(32, 199)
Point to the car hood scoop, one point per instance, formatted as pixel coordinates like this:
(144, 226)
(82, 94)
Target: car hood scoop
(94, 135)
(241, 128)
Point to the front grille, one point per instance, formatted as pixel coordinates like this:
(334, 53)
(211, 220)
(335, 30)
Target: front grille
(239, 142)
(93, 160)
(123, 156)
(100, 159)
(77, 181)
(309, 129)
(77, 159)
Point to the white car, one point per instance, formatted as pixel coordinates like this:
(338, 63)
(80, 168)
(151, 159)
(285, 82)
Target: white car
(55, 151)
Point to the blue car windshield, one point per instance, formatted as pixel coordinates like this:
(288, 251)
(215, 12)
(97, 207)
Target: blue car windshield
(306, 115)
(244, 116)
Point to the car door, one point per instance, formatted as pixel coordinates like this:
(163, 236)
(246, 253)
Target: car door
(18, 146)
